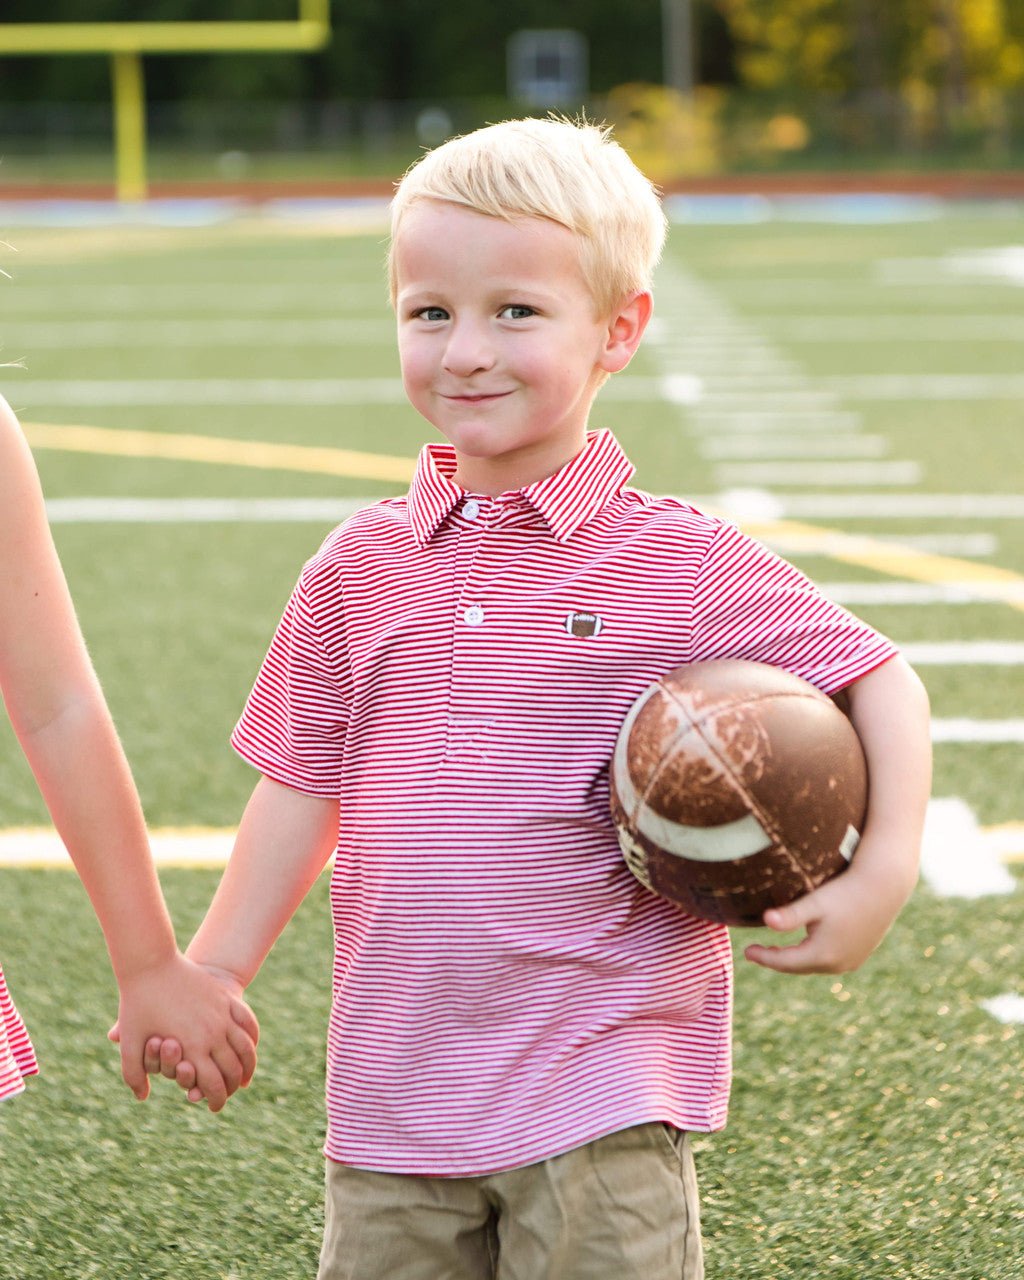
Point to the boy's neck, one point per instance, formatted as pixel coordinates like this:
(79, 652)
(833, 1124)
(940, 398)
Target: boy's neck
(492, 477)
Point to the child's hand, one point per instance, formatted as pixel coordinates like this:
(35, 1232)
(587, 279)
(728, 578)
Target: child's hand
(205, 1021)
(166, 1058)
(845, 919)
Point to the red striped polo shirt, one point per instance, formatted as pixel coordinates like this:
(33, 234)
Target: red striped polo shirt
(504, 990)
(16, 1057)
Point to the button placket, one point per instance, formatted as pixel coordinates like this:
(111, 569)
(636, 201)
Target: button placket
(471, 612)
(469, 602)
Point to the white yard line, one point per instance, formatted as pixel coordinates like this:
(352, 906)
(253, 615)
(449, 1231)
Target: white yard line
(912, 594)
(1008, 1008)
(189, 846)
(868, 506)
(926, 386)
(105, 392)
(724, 423)
(965, 731)
(964, 653)
(202, 510)
(137, 392)
(66, 335)
(230, 297)
(800, 473)
(768, 445)
(895, 328)
(957, 858)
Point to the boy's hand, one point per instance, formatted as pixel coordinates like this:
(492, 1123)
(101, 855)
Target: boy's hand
(845, 919)
(215, 1031)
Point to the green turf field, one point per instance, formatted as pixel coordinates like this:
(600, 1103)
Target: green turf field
(859, 379)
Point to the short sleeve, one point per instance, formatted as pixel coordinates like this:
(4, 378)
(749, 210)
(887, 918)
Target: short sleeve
(295, 720)
(751, 604)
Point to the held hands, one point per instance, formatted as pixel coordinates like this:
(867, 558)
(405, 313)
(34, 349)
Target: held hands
(215, 1032)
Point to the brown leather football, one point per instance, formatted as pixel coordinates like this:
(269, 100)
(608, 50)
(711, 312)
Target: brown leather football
(736, 786)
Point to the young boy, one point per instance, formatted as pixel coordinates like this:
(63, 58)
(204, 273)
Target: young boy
(521, 1036)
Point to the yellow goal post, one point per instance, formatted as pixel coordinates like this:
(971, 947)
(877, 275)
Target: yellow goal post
(126, 43)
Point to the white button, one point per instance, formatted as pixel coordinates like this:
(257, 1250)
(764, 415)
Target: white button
(472, 509)
(473, 616)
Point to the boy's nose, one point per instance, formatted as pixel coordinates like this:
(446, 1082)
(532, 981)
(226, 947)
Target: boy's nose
(469, 349)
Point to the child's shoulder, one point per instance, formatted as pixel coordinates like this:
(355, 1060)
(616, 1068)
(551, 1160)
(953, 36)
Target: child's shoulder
(666, 513)
(370, 530)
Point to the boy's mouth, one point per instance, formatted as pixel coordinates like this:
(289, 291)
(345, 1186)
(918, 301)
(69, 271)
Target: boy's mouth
(477, 397)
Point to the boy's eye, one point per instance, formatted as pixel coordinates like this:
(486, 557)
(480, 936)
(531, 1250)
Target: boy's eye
(432, 313)
(516, 311)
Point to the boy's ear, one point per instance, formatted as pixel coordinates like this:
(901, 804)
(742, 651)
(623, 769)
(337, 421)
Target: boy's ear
(625, 329)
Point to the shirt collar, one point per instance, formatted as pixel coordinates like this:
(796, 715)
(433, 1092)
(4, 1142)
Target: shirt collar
(565, 500)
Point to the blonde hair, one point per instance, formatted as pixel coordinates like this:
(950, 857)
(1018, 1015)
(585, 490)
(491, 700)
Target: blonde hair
(573, 174)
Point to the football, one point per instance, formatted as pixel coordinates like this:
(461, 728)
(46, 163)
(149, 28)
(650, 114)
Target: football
(735, 787)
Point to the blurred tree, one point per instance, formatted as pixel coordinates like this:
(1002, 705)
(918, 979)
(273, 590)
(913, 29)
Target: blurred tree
(942, 61)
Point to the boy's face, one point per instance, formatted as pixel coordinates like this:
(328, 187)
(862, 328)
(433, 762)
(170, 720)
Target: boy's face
(500, 346)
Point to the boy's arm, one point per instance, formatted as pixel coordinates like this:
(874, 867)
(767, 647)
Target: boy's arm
(847, 917)
(284, 840)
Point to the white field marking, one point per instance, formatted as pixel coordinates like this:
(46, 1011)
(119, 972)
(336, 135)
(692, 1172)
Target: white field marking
(69, 334)
(102, 392)
(727, 346)
(957, 858)
(1006, 732)
(961, 545)
(231, 297)
(819, 445)
(915, 594)
(744, 502)
(203, 510)
(964, 653)
(807, 291)
(926, 386)
(820, 475)
(733, 363)
(807, 396)
(747, 421)
(896, 328)
(105, 392)
(681, 388)
(1008, 1008)
(187, 846)
(1003, 264)
(730, 380)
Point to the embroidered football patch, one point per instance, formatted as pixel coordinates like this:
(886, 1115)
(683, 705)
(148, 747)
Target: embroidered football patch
(583, 625)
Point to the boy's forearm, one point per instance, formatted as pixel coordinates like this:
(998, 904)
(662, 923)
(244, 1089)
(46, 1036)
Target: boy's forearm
(284, 840)
(847, 917)
(889, 709)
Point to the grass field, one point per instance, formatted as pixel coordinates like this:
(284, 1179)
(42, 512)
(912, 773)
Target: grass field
(852, 392)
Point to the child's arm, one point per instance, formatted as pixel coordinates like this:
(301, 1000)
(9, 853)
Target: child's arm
(62, 723)
(284, 841)
(847, 917)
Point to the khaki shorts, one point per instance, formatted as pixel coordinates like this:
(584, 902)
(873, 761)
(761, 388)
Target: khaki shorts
(622, 1208)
